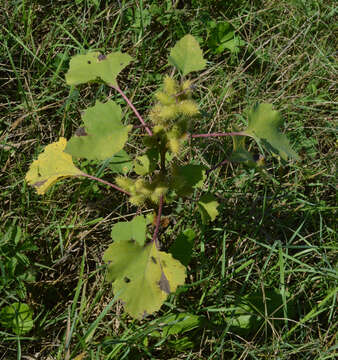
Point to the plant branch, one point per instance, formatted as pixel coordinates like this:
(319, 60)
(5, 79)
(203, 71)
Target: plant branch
(105, 182)
(158, 222)
(218, 165)
(234, 133)
(117, 88)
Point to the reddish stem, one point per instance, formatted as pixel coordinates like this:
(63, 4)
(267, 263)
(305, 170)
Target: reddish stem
(234, 133)
(141, 126)
(218, 165)
(106, 183)
(158, 222)
(117, 88)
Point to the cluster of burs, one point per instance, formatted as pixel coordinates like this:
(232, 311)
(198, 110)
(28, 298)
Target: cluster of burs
(171, 117)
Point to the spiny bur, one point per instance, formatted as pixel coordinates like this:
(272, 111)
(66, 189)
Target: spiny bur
(172, 114)
(170, 86)
(141, 190)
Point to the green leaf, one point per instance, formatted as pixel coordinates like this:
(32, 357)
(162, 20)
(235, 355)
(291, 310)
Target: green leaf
(178, 324)
(146, 163)
(232, 45)
(130, 230)
(142, 165)
(53, 164)
(264, 123)
(207, 206)
(138, 19)
(250, 311)
(94, 66)
(142, 276)
(240, 153)
(181, 344)
(121, 163)
(186, 178)
(222, 36)
(18, 317)
(187, 55)
(103, 134)
(181, 249)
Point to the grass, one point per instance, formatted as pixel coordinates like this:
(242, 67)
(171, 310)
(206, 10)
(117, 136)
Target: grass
(275, 236)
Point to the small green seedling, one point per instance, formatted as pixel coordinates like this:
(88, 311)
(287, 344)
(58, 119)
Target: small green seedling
(141, 274)
(222, 37)
(18, 317)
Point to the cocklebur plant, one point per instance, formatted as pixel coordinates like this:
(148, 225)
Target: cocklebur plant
(142, 275)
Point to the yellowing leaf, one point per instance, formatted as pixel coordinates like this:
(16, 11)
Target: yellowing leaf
(142, 276)
(103, 135)
(187, 55)
(53, 164)
(264, 123)
(94, 66)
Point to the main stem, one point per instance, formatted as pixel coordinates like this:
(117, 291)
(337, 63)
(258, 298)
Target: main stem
(158, 222)
(105, 182)
(162, 161)
(117, 88)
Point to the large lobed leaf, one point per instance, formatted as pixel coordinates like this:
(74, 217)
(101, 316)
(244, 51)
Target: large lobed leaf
(142, 276)
(103, 134)
(186, 178)
(181, 249)
(134, 229)
(187, 55)
(52, 165)
(264, 123)
(94, 66)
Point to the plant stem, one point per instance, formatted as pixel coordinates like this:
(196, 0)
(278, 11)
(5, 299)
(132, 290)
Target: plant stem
(158, 222)
(117, 88)
(162, 159)
(141, 126)
(234, 133)
(217, 165)
(106, 183)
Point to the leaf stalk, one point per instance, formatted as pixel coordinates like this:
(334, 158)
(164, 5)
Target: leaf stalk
(130, 104)
(105, 182)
